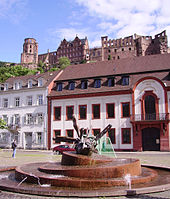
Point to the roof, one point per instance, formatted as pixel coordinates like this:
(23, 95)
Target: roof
(48, 77)
(117, 67)
(157, 66)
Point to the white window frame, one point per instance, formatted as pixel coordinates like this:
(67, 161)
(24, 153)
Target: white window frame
(40, 118)
(30, 83)
(40, 100)
(5, 87)
(5, 103)
(40, 82)
(17, 102)
(39, 137)
(29, 101)
(5, 118)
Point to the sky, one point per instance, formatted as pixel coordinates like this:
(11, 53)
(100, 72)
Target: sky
(50, 21)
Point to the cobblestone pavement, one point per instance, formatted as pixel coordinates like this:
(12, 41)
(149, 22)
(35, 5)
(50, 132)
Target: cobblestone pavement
(23, 157)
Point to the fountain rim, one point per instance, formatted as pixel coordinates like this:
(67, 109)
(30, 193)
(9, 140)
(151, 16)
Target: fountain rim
(91, 193)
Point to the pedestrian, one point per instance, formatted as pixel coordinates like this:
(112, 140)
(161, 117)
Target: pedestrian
(14, 146)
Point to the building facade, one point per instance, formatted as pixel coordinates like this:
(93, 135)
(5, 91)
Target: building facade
(133, 95)
(23, 106)
(76, 50)
(130, 46)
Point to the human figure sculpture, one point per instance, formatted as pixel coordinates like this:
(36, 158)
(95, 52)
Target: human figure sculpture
(84, 144)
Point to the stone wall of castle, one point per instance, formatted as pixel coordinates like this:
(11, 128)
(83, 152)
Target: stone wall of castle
(78, 49)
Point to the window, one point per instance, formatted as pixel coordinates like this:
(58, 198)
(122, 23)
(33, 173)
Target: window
(5, 103)
(30, 119)
(16, 119)
(126, 136)
(30, 84)
(5, 118)
(59, 86)
(40, 82)
(69, 112)
(39, 138)
(71, 86)
(40, 99)
(125, 81)
(55, 134)
(15, 86)
(97, 83)
(40, 118)
(17, 102)
(29, 100)
(5, 87)
(126, 109)
(95, 131)
(110, 110)
(84, 84)
(69, 133)
(96, 111)
(111, 81)
(57, 113)
(112, 136)
(82, 112)
(4, 137)
(19, 85)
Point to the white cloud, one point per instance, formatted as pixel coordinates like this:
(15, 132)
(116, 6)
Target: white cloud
(68, 33)
(123, 18)
(14, 10)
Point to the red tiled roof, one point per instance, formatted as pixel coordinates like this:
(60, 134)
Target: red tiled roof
(48, 77)
(139, 67)
(117, 67)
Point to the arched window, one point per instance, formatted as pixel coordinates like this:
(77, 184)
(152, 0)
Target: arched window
(149, 106)
(150, 110)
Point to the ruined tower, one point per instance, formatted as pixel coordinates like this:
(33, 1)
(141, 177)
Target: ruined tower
(29, 56)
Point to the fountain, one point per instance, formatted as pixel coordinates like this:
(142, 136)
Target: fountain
(85, 173)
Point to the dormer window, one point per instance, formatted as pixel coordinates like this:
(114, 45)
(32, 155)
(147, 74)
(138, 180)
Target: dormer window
(125, 80)
(97, 83)
(30, 84)
(84, 84)
(5, 87)
(15, 86)
(19, 85)
(40, 82)
(59, 86)
(71, 85)
(111, 81)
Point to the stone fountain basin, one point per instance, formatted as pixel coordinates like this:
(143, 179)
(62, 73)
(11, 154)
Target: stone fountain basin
(85, 172)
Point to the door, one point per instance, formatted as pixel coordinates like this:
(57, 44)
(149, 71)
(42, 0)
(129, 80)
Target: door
(151, 139)
(28, 140)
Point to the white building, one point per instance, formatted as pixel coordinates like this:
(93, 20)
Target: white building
(23, 105)
(133, 95)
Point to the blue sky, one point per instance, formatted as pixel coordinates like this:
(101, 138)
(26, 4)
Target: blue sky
(50, 21)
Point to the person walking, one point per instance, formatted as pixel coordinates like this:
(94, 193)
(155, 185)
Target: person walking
(14, 146)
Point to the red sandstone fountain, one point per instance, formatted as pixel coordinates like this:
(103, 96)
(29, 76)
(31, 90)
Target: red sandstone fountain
(82, 173)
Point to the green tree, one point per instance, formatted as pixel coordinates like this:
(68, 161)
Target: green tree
(3, 124)
(18, 70)
(64, 62)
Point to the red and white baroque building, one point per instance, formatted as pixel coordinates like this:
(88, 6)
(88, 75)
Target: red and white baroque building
(132, 94)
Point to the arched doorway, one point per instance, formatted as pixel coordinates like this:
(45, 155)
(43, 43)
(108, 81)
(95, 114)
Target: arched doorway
(151, 139)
